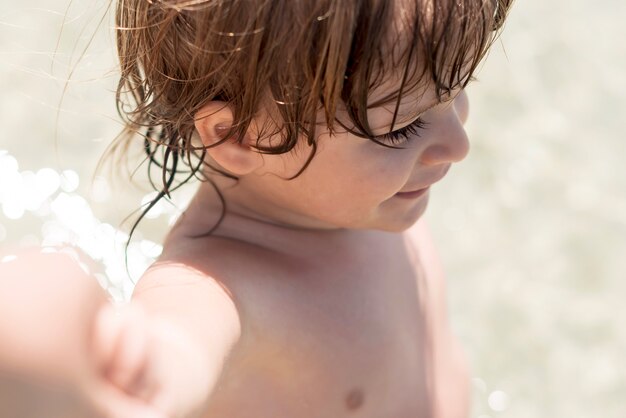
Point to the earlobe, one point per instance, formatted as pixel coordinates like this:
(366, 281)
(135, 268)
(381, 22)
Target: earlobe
(234, 155)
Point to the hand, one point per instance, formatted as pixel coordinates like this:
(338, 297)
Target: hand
(152, 360)
(48, 305)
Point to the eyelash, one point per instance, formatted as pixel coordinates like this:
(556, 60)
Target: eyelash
(403, 134)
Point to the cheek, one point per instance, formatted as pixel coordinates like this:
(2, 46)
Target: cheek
(391, 175)
(375, 174)
(355, 173)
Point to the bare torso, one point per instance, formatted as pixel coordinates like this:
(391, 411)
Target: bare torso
(352, 328)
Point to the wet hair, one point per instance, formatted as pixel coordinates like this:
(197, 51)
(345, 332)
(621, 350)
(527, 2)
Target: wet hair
(292, 59)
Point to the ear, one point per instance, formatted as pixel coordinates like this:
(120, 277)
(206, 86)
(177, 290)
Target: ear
(213, 121)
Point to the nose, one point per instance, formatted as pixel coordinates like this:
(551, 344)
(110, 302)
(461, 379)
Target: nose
(449, 142)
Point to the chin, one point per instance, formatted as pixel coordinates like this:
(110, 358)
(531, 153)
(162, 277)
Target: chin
(402, 222)
(389, 218)
(399, 224)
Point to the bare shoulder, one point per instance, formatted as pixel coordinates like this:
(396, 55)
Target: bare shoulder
(172, 277)
(183, 267)
(174, 289)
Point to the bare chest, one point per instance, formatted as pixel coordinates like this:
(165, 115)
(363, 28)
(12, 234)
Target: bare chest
(366, 341)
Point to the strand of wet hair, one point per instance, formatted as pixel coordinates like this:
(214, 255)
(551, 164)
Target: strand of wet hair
(169, 176)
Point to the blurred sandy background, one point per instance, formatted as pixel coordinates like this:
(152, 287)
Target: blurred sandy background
(531, 227)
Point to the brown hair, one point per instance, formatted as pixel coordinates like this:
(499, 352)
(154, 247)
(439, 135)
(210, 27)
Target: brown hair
(291, 58)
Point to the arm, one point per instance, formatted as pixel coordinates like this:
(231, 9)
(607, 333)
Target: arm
(48, 366)
(66, 351)
(192, 326)
(47, 306)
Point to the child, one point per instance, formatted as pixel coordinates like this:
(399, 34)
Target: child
(300, 281)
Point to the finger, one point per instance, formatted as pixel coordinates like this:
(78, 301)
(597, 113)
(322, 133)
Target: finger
(106, 333)
(131, 352)
(126, 346)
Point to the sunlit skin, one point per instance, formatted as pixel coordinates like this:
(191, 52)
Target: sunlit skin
(317, 296)
(353, 182)
(337, 224)
(309, 232)
(328, 214)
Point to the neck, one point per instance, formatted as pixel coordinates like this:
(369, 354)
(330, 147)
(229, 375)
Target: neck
(243, 221)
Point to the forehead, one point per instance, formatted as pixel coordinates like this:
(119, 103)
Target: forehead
(430, 50)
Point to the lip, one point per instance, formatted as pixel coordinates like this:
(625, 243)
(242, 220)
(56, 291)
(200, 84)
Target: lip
(412, 195)
(419, 192)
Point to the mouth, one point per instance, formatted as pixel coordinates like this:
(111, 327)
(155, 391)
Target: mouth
(420, 192)
(414, 194)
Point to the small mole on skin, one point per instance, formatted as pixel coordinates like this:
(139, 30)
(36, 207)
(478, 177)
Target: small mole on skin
(355, 399)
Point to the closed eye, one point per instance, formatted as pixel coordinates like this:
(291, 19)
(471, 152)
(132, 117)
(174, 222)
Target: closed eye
(403, 134)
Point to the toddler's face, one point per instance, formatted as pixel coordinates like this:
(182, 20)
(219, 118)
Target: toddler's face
(353, 182)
